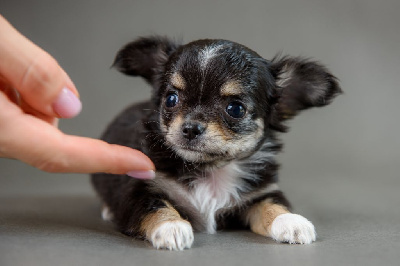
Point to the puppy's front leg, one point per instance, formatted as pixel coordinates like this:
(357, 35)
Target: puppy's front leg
(166, 229)
(274, 220)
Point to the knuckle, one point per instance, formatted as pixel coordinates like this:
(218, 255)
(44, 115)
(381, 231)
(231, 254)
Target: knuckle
(52, 165)
(42, 71)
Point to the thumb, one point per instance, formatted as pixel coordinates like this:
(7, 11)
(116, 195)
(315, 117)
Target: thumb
(36, 75)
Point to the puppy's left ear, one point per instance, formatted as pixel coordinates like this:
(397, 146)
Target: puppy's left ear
(301, 84)
(145, 57)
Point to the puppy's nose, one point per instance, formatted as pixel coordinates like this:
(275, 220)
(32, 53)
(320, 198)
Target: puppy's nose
(192, 130)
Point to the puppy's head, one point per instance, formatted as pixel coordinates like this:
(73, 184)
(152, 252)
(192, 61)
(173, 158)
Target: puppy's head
(218, 100)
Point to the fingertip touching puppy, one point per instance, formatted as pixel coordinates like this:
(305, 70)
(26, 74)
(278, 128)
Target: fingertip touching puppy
(210, 128)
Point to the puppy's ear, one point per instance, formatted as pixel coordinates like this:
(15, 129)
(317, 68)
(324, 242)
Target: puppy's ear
(301, 84)
(145, 57)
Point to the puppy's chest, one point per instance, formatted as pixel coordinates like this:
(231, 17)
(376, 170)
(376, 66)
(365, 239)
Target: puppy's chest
(211, 193)
(216, 189)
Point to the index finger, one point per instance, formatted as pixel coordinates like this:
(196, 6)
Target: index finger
(43, 146)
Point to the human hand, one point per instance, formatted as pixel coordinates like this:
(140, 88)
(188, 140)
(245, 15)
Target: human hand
(34, 92)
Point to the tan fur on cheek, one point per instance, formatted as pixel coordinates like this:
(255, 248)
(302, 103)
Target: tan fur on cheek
(261, 216)
(176, 124)
(152, 221)
(215, 130)
(173, 127)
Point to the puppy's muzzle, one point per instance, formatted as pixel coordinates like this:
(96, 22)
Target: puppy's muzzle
(191, 130)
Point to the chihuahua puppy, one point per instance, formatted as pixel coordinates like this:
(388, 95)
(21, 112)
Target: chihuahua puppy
(210, 128)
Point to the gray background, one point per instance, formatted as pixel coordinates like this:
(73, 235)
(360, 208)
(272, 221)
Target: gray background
(340, 163)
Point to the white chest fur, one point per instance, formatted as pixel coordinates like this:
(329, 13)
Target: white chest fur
(217, 190)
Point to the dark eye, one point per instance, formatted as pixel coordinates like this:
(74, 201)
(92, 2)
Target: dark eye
(171, 100)
(236, 110)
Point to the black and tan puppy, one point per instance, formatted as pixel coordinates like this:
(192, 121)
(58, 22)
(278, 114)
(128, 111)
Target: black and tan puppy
(210, 129)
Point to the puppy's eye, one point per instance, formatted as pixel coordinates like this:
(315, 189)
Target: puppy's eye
(171, 100)
(236, 110)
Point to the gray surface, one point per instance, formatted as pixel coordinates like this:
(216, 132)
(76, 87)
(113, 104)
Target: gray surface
(340, 165)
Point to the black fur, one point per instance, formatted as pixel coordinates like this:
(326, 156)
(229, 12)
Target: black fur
(267, 98)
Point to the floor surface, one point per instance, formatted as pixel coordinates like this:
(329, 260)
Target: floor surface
(55, 220)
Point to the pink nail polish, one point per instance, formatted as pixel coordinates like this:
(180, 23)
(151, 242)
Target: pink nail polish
(142, 174)
(67, 105)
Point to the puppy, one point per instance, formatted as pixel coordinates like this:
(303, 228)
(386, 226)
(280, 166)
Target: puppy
(210, 128)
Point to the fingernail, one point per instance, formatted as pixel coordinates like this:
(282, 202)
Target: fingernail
(142, 174)
(67, 105)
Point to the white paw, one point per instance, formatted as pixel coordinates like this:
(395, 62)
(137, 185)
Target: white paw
(106, 214)
(175, 235)
(293, 228)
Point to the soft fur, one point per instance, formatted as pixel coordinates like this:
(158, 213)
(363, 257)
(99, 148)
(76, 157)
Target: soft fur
(210, 128)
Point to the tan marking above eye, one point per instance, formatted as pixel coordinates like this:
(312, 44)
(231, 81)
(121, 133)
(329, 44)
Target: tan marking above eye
(231, 88)
(178, 81)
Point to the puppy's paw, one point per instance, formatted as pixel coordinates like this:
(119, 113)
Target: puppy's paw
(106, 214)
(293, 228)
(172, 235)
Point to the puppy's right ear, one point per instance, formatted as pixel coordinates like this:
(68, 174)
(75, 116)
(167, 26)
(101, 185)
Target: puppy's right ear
(145, 57)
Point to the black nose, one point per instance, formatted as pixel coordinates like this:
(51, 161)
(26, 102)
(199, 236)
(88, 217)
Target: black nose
(192, 130)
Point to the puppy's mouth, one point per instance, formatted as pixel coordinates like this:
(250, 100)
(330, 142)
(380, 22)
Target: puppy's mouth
(197, 154)
(193, 145)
